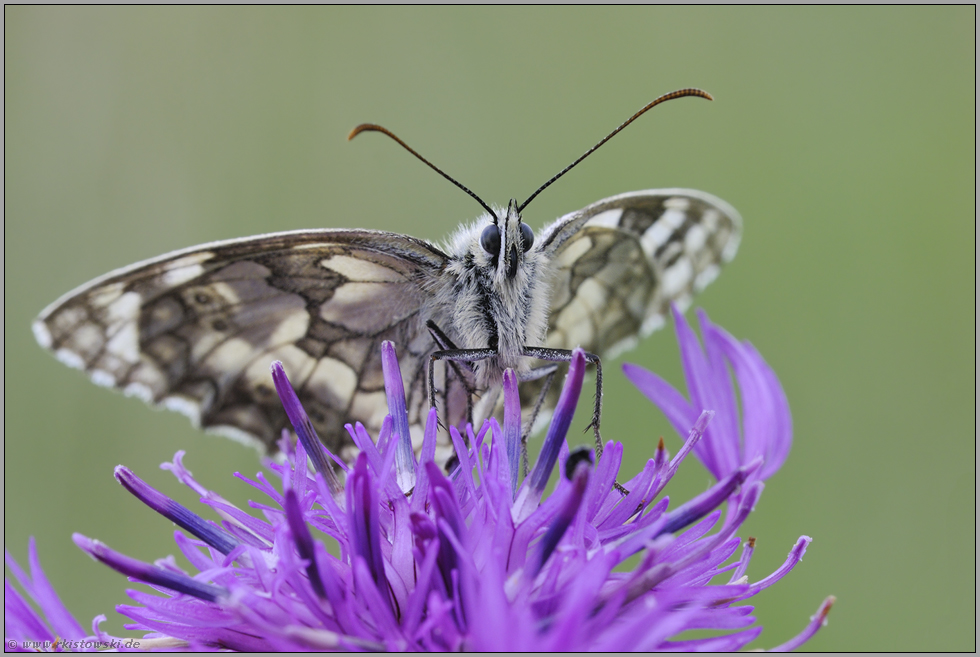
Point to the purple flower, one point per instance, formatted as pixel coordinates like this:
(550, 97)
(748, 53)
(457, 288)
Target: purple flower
(474, 560)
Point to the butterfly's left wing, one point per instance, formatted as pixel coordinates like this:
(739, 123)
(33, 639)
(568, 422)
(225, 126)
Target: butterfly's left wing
(196, 330)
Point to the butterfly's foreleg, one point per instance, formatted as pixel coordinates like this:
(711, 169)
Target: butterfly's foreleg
(548, 374)
(565, 355)
(441, 339)
(453, 356)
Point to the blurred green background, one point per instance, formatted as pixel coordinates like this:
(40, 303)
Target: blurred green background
(845, 137)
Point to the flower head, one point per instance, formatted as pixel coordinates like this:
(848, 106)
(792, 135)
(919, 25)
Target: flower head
(477, 559)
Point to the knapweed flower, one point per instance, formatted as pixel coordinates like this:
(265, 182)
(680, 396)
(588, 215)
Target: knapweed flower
(479, 559)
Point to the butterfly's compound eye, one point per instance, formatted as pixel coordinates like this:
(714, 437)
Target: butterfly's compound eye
(490, 240)
(527, 237)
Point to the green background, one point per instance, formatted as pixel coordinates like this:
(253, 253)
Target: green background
(844, 136)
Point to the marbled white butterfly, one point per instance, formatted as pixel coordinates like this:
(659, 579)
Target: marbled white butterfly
(195, 330)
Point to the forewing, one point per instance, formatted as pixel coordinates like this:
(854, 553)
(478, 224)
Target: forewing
(197, 330)
(622, 261)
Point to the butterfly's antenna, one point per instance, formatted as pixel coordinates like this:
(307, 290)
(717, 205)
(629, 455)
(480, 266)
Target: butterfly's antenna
(371, 127)
(680, 93)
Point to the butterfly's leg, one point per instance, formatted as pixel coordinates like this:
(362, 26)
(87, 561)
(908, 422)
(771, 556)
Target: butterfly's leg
(565, 355)
(453, 355)
(445, 343)
(443, 340)
(548, 373)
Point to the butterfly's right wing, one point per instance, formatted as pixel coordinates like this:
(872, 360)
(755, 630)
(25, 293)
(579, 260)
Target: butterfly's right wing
(619, 264)
(196, 330)
(622, 261)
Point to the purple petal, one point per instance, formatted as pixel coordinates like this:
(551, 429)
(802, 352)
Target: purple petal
(362, 440)
(558, 429)
(598, 498)
(576, 607)
(191, 550)
(374, 597)
(362, 509)
(456, 562)
(464, 472)
(178, 514)
(395, 392)
(660, 457)
(448, 520)
(304, 540)
(20, 619)
(302, 425)
(728, 643)
(765, 412)
(724, 618)
(743, 561)
(563, 518)
(724, 437)
(296, 478)
(749, 496)
(693, 438)
(498, 468)
(512, 425)
(795, 556)
(678, 411)
(817, 621)
(782, 435)
(150, 574)
(704, 503)
(698, 375)
(41, 591)
(427, 454)
(416, 601)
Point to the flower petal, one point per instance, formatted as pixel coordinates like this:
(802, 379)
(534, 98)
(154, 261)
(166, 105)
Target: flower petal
(462, 561)
(303, 540)
(512, 425)
(679, 412)
(41, 591)
(302, 425)
(555, 438)
(817, 621)
(176, 513)
(148, 573)
(395, 391)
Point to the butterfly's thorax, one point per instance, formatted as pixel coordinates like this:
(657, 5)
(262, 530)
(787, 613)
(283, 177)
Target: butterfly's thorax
(498, 303)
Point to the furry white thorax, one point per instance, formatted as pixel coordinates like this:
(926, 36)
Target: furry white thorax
(480, 307)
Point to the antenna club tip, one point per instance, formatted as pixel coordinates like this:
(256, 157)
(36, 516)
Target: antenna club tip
(364, 127)
(690, 91)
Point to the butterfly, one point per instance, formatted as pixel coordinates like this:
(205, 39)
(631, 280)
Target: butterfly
(196, 330)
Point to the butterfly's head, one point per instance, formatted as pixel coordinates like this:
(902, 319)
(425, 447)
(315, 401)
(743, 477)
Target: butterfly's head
(506, 240)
